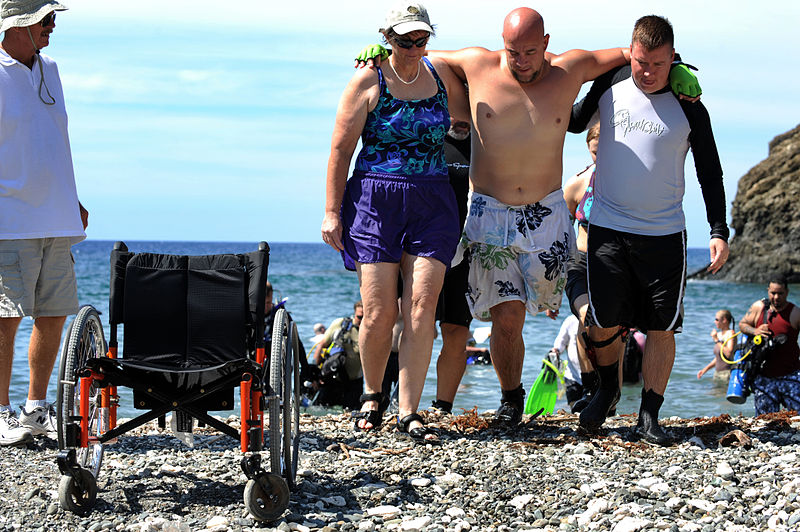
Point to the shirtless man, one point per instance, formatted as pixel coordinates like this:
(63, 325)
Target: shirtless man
(517, 235)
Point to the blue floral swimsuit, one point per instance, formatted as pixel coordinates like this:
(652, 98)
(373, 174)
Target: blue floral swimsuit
(399, 198)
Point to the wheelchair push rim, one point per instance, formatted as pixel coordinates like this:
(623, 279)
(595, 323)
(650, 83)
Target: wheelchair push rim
(284, 405)
(84, 340)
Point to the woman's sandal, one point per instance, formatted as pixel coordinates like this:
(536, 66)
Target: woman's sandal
(417, 433)
(373, 417)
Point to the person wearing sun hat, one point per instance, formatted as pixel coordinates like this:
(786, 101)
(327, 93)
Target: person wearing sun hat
(40, 215)
(397, 214)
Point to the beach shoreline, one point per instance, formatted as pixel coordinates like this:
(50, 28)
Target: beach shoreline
(726, 473)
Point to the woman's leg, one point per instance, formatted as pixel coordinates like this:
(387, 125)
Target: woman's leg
(378, 283)
(422, 282)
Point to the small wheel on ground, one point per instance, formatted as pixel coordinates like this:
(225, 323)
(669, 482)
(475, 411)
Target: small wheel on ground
(75, 498)
(267, 506)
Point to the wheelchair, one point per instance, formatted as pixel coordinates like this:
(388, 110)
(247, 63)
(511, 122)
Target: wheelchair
(193, 332)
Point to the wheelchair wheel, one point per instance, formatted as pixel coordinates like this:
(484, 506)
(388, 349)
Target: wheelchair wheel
(284, 412)
(291, 407)
(263, 505)
(75, 498)
(84, 340)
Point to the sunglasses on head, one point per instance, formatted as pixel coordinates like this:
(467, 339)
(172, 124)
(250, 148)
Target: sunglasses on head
(48, 19)
(408, 43)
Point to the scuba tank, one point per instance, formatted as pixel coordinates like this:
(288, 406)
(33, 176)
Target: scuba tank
(737, 391)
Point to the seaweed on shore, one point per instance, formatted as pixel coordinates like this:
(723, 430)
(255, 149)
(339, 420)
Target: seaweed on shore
(778, 421)
(469, 421)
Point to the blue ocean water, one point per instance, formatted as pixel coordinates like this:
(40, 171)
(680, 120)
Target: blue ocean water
(320, 290)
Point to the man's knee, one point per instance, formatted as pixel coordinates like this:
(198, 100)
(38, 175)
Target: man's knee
(508, 319)
(454, 336)
(8, 326)
(50, 322)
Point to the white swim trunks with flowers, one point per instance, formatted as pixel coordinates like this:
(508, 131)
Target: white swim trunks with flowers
(516, 253)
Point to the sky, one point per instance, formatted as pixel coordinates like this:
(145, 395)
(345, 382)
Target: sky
(209, 121)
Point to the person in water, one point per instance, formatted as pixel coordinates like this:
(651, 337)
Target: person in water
(723, 347)
(778, 383)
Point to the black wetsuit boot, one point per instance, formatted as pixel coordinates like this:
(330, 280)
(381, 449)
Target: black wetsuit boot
(443, 406)
(512, 403)
(605, 399)
(589, 382)
(648, 428)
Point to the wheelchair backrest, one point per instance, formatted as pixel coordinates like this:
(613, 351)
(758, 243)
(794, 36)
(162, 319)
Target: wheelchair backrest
(188, 311)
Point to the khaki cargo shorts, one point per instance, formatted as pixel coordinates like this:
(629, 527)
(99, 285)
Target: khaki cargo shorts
(37, 278)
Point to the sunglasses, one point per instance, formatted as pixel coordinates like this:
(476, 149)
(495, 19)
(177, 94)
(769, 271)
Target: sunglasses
(408, 43)
(48, 20)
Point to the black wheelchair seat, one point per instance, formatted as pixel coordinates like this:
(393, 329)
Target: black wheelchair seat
(193, 332)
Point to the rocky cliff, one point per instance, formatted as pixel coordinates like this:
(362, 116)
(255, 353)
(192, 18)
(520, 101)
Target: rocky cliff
(766, 216)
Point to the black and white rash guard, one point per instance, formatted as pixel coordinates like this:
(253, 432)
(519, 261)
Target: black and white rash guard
(644, 139)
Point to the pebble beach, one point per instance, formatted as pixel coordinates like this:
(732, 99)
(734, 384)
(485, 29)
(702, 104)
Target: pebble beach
(726, 473)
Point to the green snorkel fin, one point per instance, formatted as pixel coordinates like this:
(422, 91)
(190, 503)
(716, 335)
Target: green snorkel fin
(544, 392)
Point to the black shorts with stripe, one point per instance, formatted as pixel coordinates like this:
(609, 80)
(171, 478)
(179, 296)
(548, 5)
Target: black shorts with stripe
(636, 280)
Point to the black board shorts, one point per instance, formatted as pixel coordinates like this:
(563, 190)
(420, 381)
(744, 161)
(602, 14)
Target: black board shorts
(452, 306)
(576, 281)
(636, 280)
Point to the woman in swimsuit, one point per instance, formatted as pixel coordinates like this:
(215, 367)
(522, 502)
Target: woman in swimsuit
(397, 214)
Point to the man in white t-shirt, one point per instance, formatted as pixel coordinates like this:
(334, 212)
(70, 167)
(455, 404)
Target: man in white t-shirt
(40, 216)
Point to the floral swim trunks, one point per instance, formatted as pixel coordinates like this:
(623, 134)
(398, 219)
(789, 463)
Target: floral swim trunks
(516, 253)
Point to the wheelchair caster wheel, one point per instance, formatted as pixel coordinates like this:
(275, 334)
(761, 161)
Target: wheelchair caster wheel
(75, 498)
(267, 505)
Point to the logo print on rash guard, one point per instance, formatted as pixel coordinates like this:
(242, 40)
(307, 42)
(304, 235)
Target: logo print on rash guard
(622, 118)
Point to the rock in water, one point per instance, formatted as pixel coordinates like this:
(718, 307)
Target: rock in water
(766, 217)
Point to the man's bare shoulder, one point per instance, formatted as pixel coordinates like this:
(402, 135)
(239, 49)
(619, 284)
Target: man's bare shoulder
(794, 317)
(756, 308)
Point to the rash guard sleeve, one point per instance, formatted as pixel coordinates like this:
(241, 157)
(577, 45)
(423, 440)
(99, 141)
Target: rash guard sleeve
(709, 169)
(583, 110)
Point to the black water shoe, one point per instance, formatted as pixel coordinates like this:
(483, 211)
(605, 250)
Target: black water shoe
(589, 382)
(599, 408)
(605, 399)
(511, 406)
(647, 427)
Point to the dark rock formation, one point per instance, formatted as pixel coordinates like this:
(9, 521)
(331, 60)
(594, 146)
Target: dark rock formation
(766, 216)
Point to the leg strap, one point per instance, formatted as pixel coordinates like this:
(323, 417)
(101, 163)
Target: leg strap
(622, 332)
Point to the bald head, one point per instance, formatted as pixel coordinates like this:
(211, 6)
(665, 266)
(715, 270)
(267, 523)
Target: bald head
(523, 22)
(525, 44)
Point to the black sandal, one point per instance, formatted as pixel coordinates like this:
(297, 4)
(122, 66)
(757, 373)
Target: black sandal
(373, 417)
(417, 433)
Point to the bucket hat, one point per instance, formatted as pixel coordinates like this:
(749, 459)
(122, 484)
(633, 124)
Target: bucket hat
(21, 13)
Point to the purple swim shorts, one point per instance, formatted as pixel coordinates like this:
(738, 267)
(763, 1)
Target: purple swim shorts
(385, 215)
